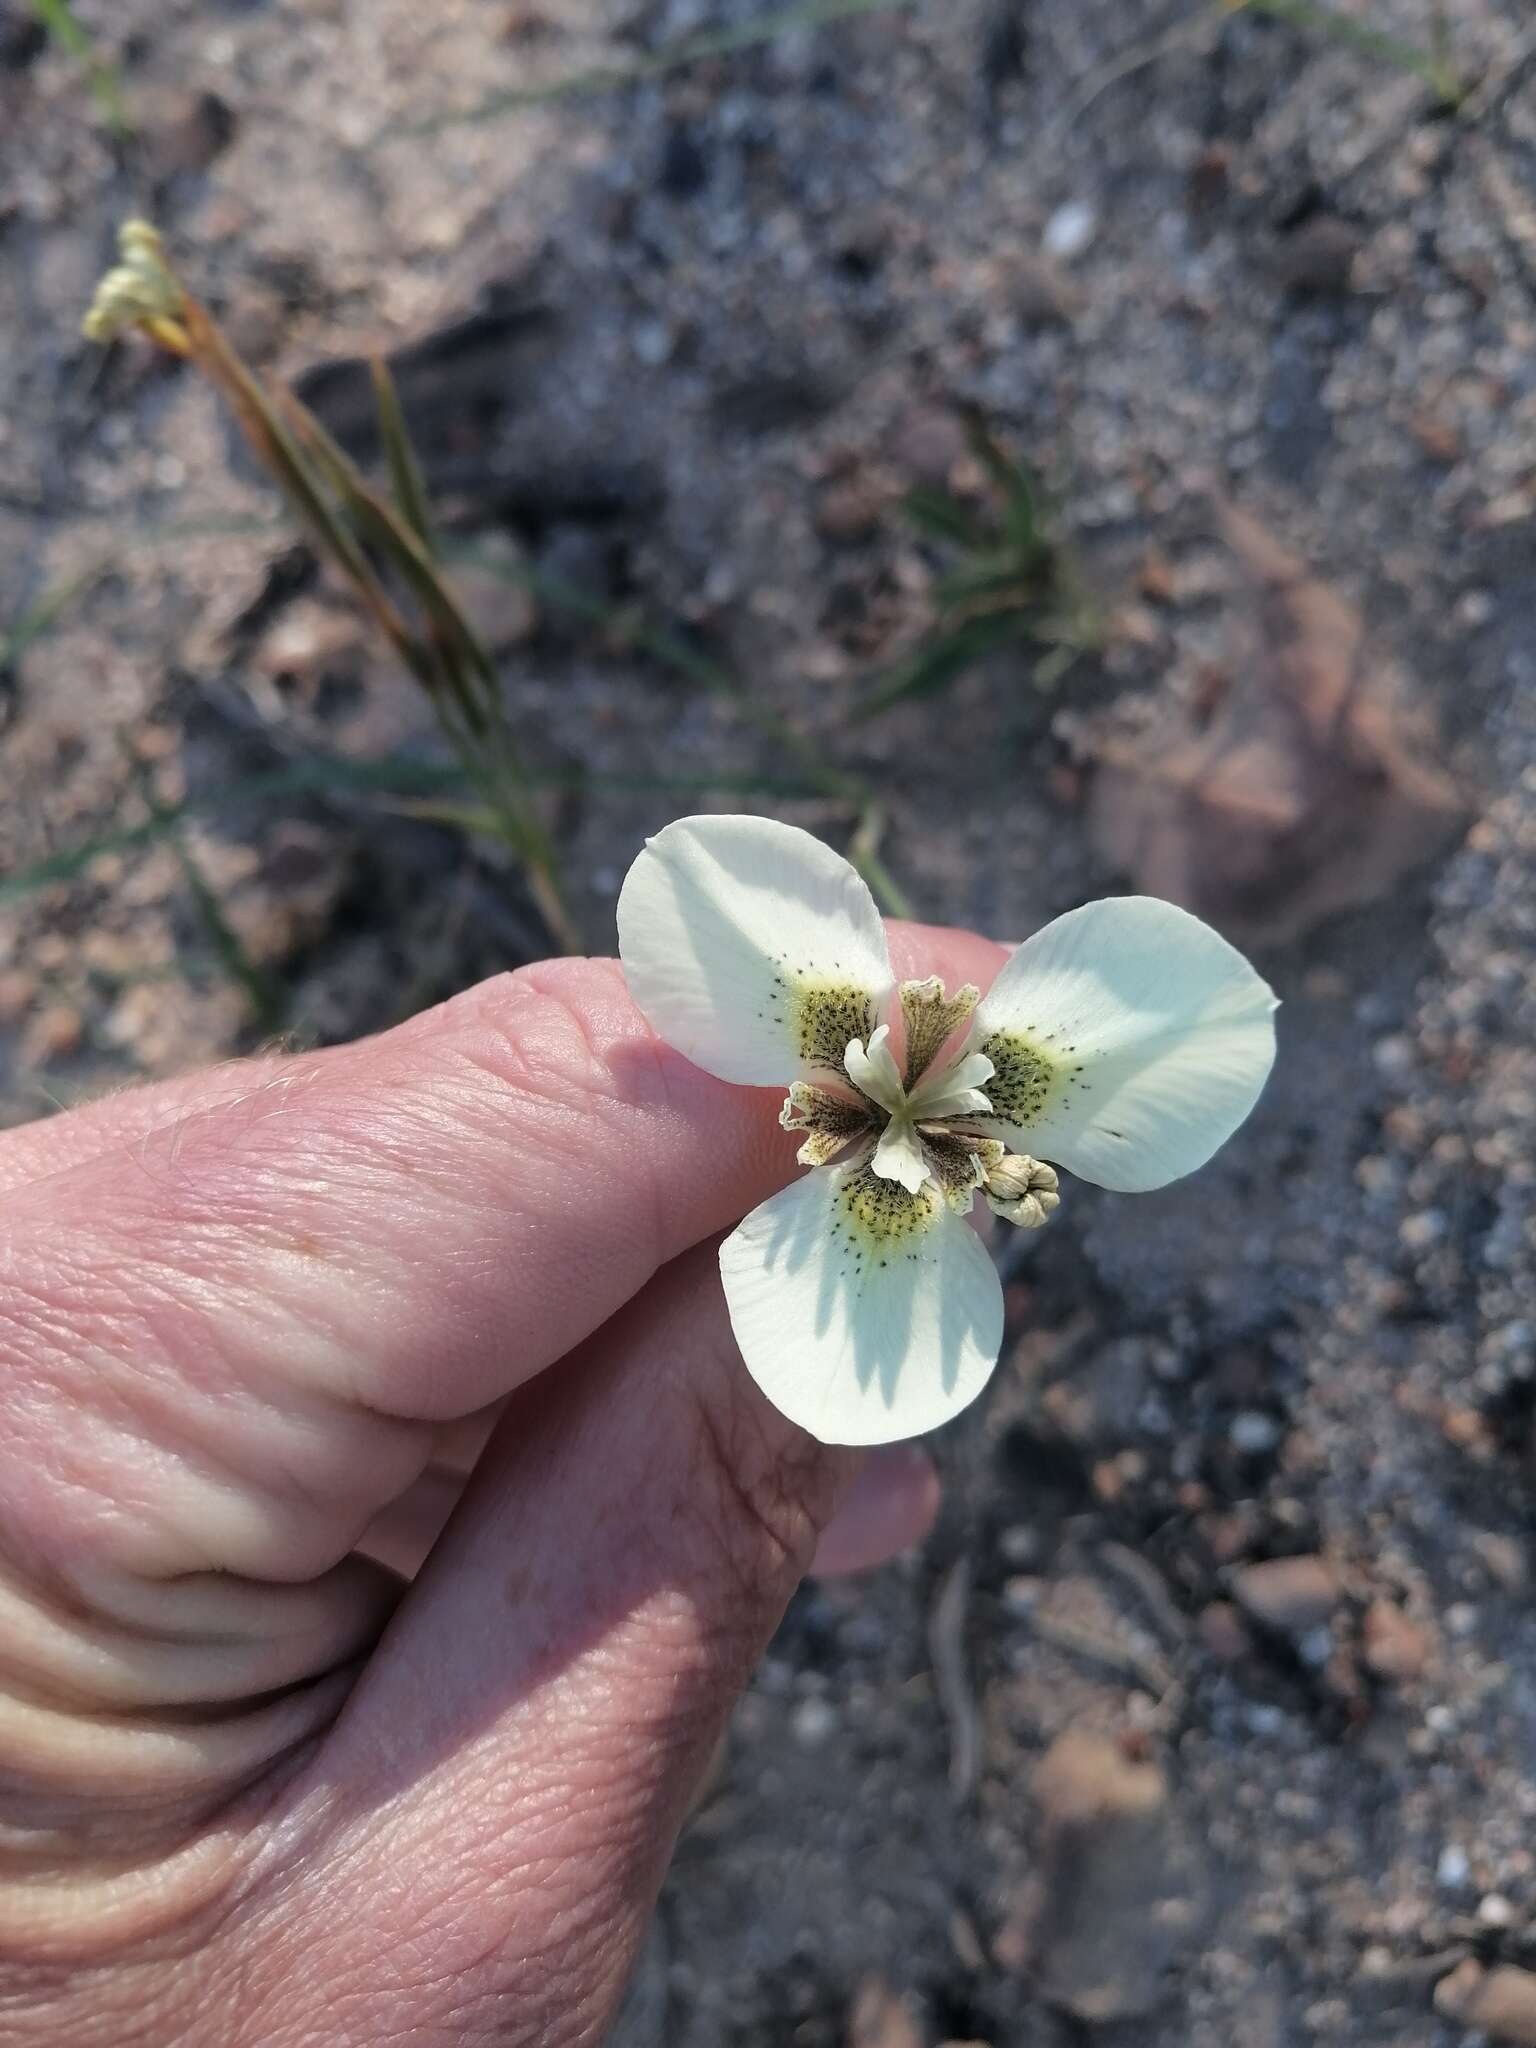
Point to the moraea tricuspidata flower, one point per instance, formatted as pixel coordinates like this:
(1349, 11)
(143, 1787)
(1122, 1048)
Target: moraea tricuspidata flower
(1124, 1042)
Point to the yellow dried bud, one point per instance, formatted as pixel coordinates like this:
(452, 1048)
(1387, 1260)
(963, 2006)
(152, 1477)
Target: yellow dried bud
(139, 291)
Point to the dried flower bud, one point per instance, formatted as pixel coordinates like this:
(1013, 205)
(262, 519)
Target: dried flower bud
(1022, 1190)
(140, 291)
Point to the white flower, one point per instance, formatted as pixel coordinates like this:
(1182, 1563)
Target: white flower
(1126, 1042)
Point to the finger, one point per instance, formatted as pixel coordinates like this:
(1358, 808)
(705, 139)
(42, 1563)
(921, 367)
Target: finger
(122, 1118)
(401, 1535)
(268, 1297)
(890, 1507)
(513, 1766)
(226, 1346)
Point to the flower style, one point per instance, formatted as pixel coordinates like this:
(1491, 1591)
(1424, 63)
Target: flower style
(1125, 1041)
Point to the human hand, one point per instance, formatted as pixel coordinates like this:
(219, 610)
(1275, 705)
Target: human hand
(284, 1758)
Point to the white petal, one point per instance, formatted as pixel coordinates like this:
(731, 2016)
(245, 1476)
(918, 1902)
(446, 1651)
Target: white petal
(752, 948)
(874, 1070)
(864, 1313)
(899, 1156)
(955, 1093)
(1130, 1042)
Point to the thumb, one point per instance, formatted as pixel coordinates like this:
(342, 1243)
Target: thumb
(498, 1801)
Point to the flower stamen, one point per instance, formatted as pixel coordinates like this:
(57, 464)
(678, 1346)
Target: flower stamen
(830, 1121)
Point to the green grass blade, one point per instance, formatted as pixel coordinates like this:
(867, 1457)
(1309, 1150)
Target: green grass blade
(722, 42)
(264, 995)
(1431, 66)
(101, 76)
(941, 660)
(261, 991)
(942, 517)
(41, 617)
(395, 784)
(404, 470)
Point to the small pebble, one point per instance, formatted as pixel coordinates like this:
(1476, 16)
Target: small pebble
(1292, 1595)
(1254, 1432)
(1224, 1632)
(53, 1034)
(1500, 2002)
(1070, 230)
(812, 1722)
(1393, 1647)
(1418, 1232)
(652, 342)
(1453, 1867)
(1021, 1594)
(1019, 1544)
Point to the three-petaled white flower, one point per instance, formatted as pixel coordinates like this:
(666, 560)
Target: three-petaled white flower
(1126, 1042)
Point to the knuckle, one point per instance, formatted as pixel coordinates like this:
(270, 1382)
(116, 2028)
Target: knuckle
(764, 1491)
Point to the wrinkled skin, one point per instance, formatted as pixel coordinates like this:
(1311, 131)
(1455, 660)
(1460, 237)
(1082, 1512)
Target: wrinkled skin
(283, 1758)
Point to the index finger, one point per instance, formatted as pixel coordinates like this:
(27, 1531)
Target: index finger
(419, 1222)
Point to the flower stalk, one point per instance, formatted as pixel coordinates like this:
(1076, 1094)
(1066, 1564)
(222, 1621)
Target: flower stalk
(383, 547)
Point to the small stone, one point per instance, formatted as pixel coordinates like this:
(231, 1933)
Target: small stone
(255, 321)
(652, 342)
(1291, 1595)
(1156, 578)
(1494, 1910)
(880, 2018)
(1392, 1647)
(1224, 1632)
(1111, 1902)
(309, 642)
(188, 132)
(1395, 1056)
(928, 444)
(1070, 230)
(1503, 1558)
(1421, 1230)
(1253, 1432)
(1467, 1429)
(18, 992)
(847, 511)
(53, 1034)
(1019, 1544)
(1453, 1867)
(495, 588)
(1317, 260)
(1438, 437)
(813, 1722)
(1500, 2002)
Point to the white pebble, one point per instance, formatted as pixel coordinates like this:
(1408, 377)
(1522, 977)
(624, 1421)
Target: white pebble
(813, 1721)
(1070, 230)
(1254, 1432)
(1453, 1867)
